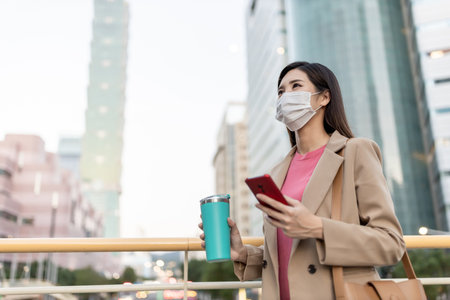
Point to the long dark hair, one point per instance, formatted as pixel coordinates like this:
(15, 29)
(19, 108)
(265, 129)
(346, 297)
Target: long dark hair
(323, 79)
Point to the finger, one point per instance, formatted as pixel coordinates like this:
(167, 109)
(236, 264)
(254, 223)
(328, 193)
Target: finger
(287, 233)
(202, 244)
(233, 227)
(275, 222)
(202, 236)
(272, 202)
(200, 225)
(291, 201)
(271, 212)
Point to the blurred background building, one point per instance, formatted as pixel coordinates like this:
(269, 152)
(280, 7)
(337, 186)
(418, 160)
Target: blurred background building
(102, 143)
(364, 44)
(39, 198)
(69, 154)
(230, 163)
(268, 141)
(428, 29)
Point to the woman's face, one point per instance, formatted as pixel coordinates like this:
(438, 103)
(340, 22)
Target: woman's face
(296, 80)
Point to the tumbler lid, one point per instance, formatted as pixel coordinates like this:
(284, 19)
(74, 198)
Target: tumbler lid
(216, 198)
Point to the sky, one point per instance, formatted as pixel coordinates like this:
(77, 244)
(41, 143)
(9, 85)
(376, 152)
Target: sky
(186, 60)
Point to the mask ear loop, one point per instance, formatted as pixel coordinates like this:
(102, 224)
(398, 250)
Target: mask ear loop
(320, 106)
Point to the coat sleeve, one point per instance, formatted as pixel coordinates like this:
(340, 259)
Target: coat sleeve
(252, 268)
(377, 240)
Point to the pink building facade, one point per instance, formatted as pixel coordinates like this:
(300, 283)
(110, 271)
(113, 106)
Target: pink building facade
(32, 185)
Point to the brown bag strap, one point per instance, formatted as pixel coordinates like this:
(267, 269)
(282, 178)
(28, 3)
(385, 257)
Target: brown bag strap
(408, 266)
(338, 271)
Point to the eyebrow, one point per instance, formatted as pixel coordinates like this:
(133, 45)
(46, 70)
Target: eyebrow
(291, 82)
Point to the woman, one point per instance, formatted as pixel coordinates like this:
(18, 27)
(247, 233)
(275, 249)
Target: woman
(301, 242)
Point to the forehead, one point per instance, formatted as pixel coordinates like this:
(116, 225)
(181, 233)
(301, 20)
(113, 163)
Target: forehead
(294, 74)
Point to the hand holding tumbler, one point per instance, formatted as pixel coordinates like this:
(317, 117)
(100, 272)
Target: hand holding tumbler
(215, 211)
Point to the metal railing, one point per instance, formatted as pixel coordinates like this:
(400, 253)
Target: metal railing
(32, 245)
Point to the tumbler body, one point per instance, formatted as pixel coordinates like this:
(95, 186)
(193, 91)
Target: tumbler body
(215, 211)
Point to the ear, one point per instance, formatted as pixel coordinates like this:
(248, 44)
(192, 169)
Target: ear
(325, 98)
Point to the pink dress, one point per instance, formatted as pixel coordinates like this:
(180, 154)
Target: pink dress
(299, 173)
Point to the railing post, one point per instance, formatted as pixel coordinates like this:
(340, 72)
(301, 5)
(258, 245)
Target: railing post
(185, 275)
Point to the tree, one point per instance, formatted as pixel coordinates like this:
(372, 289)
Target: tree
(426, 263)
(201, 270)
(128, 275)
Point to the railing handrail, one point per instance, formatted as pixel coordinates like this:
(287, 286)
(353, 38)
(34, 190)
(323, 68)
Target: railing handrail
(31, 245)
(212, 285)
(27, 245)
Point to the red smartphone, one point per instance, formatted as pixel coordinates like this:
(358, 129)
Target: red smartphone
(265, 185)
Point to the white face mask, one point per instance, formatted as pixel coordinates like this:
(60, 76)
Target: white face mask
(294, 109)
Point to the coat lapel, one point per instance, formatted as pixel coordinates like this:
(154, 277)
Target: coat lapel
(324, 173)
(278, 175)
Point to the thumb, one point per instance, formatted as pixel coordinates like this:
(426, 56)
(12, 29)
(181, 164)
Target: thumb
(232, 225)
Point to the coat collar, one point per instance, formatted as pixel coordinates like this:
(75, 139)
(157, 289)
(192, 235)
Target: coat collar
(316, 189)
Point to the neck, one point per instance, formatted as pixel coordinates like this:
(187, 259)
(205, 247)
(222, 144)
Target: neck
(310, 138)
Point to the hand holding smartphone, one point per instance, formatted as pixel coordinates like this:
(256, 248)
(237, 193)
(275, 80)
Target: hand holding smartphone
(265, 185)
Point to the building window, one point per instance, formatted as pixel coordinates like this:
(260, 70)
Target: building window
(8, 216)
(99, 159)
(253, 7)
(443, 141)
(438, 53)
(442, 80)
(73, 205)
(28, 221)
(103, 109)
(107, 41)
(444, 110)
(101, 134)
(108, 20)
(5, 173)
(106, 63)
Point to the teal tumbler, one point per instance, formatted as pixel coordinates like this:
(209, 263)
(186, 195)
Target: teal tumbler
(215, 211)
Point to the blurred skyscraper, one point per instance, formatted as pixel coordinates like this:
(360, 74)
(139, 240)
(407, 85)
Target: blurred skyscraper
(428, 24)
(363, 43)
(101, 164)
(69, 153)
(230, 163)
(268, 141)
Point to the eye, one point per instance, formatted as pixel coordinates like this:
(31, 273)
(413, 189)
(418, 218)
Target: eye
(296, 85)
(280, 92)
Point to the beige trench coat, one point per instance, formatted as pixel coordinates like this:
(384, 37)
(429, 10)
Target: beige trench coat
(369, 234)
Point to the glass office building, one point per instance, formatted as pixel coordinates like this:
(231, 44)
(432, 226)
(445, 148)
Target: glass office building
(363, 43)
(429, 45)
(268, 141)
(101, 158)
